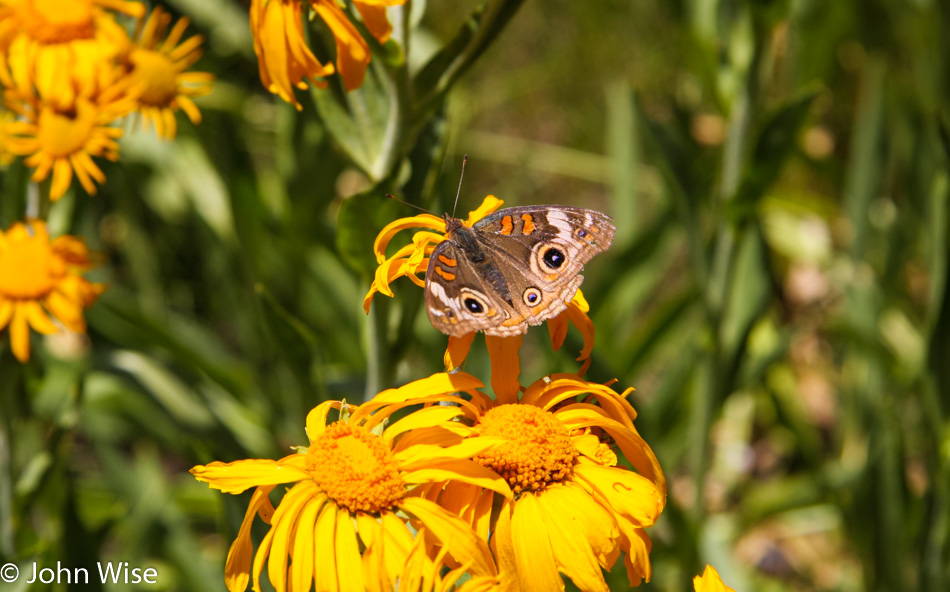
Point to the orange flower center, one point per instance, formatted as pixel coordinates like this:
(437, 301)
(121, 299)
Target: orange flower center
(29, 269)
(355, 468)
(58, 21)
(157, 75)
(62, 133)
(539, 450)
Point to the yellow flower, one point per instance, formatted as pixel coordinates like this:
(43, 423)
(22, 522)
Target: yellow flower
(62, 139)
(575, 506)
(413, 259)
(340, 523)
(58, 46)
(286, 62)
(710, 582)
(157, 72)
(40, 278)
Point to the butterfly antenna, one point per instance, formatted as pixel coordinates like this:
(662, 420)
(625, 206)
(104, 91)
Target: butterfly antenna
(391, 196)
(461, 176)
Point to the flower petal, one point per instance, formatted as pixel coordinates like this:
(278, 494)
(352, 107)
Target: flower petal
(348, 560)
(576, 524)
(488, 205)
(710, 582)
(457, 351)
(463, 471)
(455, 535)
(389, 231)
(505, 367)
(20, 334)
(627, 493)
(302, 566)
(285, 519)
(235, 477)
(238, 565)
(536, 567)
(326, 574)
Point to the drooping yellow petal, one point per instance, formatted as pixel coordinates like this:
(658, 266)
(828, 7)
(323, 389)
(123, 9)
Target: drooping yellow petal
(20, 335)
(589, 524)
(348, 554)
(454, 534)
(457, 351)
(238, 566)
(302, 565)
(536, 566)
(629, 494)
(637, 557)
(565, 527)
(352, 52)
(285, 520)
(505, 367)
(325, 567)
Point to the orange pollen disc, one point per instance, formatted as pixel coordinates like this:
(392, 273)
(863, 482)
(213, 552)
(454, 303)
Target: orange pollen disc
(539, 449)
(64, 133)
(58, 21)
(355, 468)
(29, 269)
(157, 75)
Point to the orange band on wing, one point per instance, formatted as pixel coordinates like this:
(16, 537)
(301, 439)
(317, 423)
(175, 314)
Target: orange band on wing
(506, 226)
(446, 261)
(445, 275)
(529, 226)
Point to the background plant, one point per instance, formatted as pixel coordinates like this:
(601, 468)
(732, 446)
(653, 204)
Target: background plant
(776, 292)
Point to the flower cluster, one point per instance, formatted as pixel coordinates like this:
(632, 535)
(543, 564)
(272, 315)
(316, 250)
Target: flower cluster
(519, 489)
(42, 278)
(70, 70)
(287, 62)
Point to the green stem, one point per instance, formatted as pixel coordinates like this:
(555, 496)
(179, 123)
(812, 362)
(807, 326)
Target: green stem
(379, 371)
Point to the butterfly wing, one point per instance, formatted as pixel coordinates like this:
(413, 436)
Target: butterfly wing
(543, 249)
(523, 271)
(462, 297)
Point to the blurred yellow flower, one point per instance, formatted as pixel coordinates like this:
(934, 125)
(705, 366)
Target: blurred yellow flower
(58, 46)
(710, 582)
(40, 278)
(157, 72)
(284, 59)
(341, 521)
(62, 139)
(575, 505)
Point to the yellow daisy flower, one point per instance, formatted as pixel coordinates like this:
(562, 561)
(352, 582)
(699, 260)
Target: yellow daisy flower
(62, 139)
(286, 62)
(575, 506)
(710, 582)
(61, 45)
(413, 259)
(341, 524)
(157, 72)
(40, 278)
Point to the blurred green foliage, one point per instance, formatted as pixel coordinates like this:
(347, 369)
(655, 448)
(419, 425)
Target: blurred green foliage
(777, 293)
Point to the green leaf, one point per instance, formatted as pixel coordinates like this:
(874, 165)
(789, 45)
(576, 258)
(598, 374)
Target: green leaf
(361, 218)
(772, 148)
(476, 35)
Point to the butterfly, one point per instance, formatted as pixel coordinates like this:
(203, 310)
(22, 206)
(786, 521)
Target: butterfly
(513, 268)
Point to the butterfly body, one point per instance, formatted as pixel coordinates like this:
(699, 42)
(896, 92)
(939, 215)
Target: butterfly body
(513, 268)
